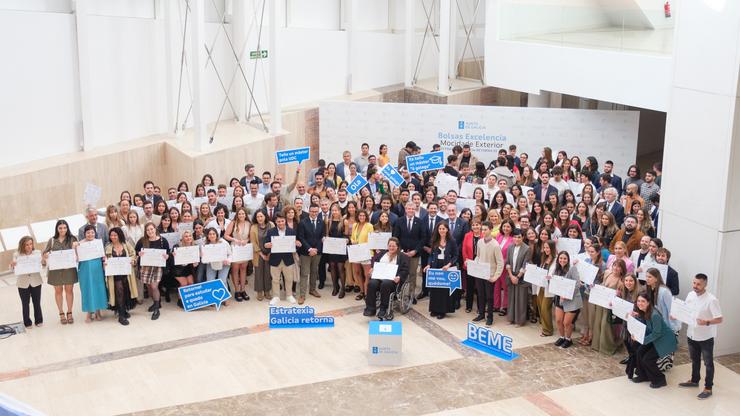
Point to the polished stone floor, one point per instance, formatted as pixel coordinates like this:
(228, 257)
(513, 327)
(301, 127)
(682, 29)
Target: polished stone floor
(229, 362)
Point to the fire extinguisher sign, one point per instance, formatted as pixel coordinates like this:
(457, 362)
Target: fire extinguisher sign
(667, 9)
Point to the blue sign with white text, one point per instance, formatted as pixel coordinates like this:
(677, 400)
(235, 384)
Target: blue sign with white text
(298, 317)
(204, 294)
(425, 162)
(490, 342)
(391, 173)
(449, 279)
(357, 183)
(293, 155)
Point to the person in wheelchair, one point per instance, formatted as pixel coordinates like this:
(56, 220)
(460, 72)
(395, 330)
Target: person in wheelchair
(386, 286)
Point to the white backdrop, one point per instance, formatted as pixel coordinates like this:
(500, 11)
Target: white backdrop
(607, 135)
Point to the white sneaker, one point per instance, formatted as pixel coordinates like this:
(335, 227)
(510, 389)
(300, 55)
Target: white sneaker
(274, 301)
(291, 299)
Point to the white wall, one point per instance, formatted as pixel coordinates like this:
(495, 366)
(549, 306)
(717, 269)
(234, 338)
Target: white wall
(530, 17)
(39, 95)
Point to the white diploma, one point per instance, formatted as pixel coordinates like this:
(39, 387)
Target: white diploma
(214, 253)
(683, 312)
(570, 245)
(173, 239)
(384, 271)
(587, 272)
(184, 226)
(662, 268)
(636, 328)
(62, 259)
(92, 194)
(562, 287)
(118, 266)
(378, 241)
(187, 255)
(535, 275)
(461, 204)
(153, 257)
(333, 245)
(467, 189)
(139, 211)
(28, 264)
(622, 308)
(601, 295)
(446, 183)
(478, 269)
(197, 202)
(242, 253)
(358, 252)
(88, 250)
(284, 244)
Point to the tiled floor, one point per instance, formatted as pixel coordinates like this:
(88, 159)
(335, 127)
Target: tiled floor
(228, 362)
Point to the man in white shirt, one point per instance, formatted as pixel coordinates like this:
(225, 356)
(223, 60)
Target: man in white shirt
(701, 335)
(638, 257)
(253, 200)
(557, 180)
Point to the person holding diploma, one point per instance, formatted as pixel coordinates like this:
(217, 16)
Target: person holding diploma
(184, 273)
(443, 256)
(29, 285)
(487, 251)
(505, 240)
(602, 322)
(516, 259)
(262, 277)
(566, 310)
(237, 233)
(92, 281)
(218, 269)
(629, 291)
(152, 275)
(548, 261)
(122, 290)
(469, 252)
(659, 342)
(360, 233)
(701, 335)
(593, 256)
(63, 280)
(281, 263)
(386, 286)
(334, 228)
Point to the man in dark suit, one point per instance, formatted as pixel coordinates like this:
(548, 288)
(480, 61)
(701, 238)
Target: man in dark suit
(458, 228)
(543, 189)
(410, 232)
(386, 286)
(310, 234)
(272, 207)
(430, 222)
(615, 181)
(149, 194)
(280, 263)
(610, 194)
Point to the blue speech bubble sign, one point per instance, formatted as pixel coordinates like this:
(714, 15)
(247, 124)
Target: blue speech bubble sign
(425, 162)
(445, 279)
(490, 342)
(200, 295)
(293, 155)
(392, 174)
(357, 183)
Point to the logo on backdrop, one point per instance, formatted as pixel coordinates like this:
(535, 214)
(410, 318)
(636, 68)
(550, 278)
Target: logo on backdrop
(204, 294)
(448, 279)
(470, 125)
(298, 317)
(490, 342)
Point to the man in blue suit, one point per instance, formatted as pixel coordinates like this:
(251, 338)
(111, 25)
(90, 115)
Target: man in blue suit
(543, 189)
(430, 222)
(280, 263)
(343, 166)
(458, 228)
(610, 194)
(410, 233)
(310, 234)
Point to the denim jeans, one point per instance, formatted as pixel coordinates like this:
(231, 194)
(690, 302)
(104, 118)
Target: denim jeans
(697, 351)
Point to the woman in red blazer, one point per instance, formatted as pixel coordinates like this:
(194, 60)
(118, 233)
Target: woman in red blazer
(470, 242)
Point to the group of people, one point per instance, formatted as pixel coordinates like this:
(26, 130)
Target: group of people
(508, 214)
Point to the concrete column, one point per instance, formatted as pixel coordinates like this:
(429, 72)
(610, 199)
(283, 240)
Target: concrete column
(699, 215)
(409, 37)
(443, 82)
(349, 25)
(453, 40)
(195, 63)
(275, 19)
(240, 20)
(539, 100)
(87, 103)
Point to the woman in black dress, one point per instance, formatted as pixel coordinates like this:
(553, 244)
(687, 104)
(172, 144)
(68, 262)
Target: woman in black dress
(443, 256)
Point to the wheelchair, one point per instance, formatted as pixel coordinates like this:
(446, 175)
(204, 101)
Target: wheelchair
(399, 299)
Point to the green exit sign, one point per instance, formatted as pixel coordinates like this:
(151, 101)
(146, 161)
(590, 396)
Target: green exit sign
(261, 54)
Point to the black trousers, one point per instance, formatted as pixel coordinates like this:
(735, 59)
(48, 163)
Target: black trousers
(322, 270)
(485, 297)
(697, 351)
(28, 294)
(647, 364)
(385, 287)
(470, 289)
(631, 347)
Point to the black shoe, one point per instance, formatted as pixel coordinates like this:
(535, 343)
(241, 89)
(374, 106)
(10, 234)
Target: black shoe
(155, 314)
(566, 344)
(413, 301)
(559, 342)
(238, 296)
(357, 289)
(321, 285)
(638, 379)
(245, 296)
(381, 315)
(489, 321)
(705, 394)
(502, 312)
(479, 318)
(468, 310)
(122, 320)
(368, 312)
(625, 360)
(688, 384)
(167, 296)
(441, 316)
(126, 314)
(179, 304)
(658, 384)
(421, 296)
(151, 308)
